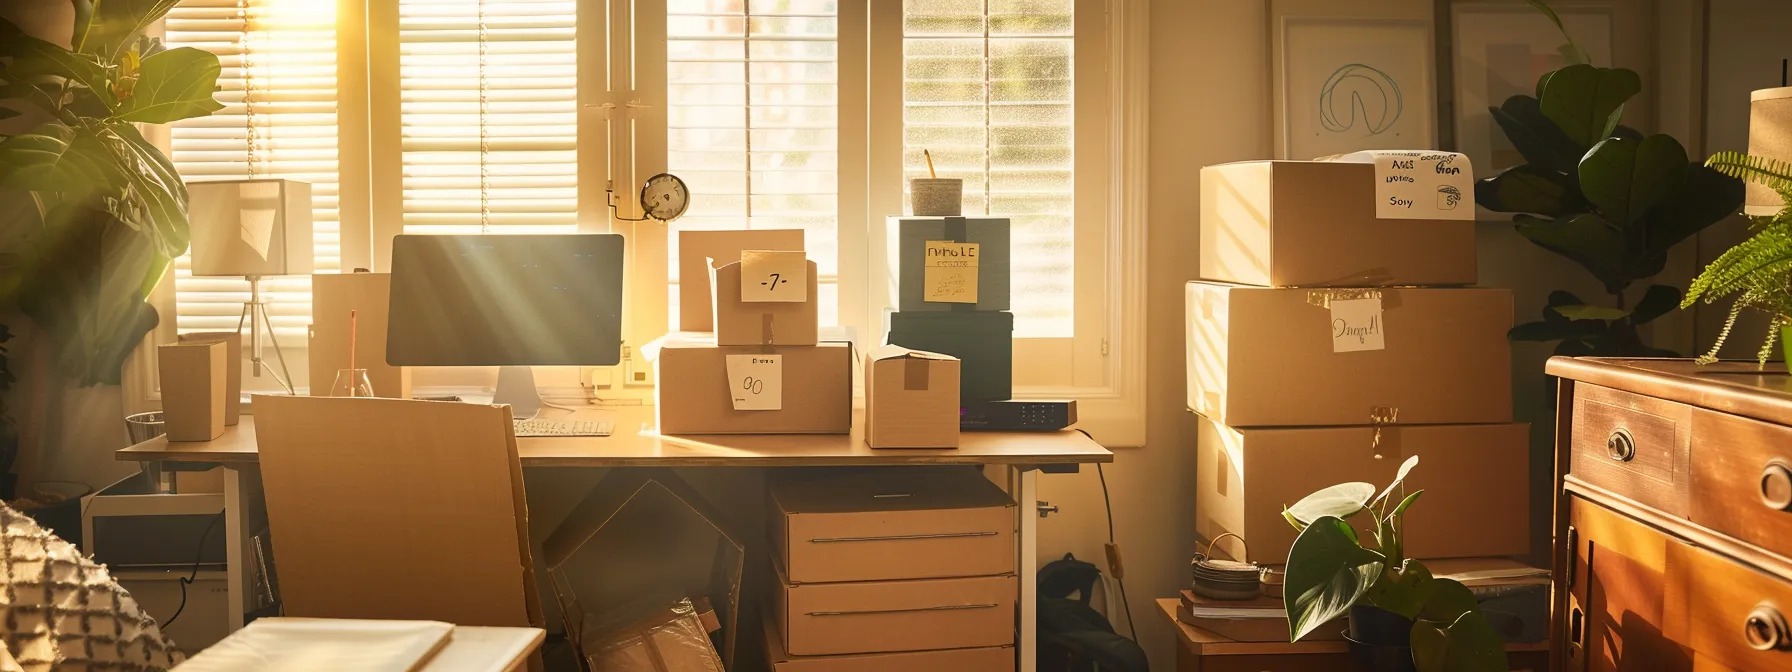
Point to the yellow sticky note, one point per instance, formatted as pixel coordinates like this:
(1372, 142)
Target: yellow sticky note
(773, 276)
(949, 272)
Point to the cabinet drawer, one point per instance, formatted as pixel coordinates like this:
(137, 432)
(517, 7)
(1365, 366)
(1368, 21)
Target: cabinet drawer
(1729, 613)
(1633, 445)
(1742, 479)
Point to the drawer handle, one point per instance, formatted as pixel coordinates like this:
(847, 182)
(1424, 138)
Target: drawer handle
(1765, 629)
(1620, 446)
(1776, 486)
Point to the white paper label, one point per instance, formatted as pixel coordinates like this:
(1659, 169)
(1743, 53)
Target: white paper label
(774, 276)
(1421, 185)
(756, 382)
(1356, 325)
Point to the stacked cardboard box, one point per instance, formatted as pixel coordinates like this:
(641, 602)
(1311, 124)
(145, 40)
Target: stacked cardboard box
(952, 298)
(1330, 339)
(892, 569)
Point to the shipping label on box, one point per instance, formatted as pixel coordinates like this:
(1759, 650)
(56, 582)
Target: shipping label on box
(773, 276)
(950, 272)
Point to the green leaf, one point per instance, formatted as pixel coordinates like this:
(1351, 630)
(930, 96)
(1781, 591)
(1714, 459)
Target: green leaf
(1399, 477)
(154, 189)
(1656, 301)
(1570, 51)
(114, 24)
(1625, 178)
(1403, 590)
(1449, 599)
(1327, 573)
(1586, 239)
(1535, 332)
(1704, 197)
(1294, 522)
(56, 158)
(1469, 644)
(1590, 312)
(1585, 101)
(8, 113)
(1535, 137)
(1341, 501)
(1529, 188)
(173, 85)
(1400, 509)
(33, 57)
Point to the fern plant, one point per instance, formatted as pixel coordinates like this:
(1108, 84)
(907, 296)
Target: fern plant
(1757, 271)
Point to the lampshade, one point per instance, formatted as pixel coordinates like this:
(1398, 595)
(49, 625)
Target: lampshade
(1769, 136)
(257, 227)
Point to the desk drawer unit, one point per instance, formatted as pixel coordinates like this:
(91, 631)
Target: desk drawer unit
(1633, 445)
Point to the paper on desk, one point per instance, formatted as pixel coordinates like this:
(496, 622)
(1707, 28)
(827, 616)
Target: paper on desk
(337, 645)
(1420, 184)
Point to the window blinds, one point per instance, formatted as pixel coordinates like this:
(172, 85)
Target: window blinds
(987, 90)
(488, 108)
(291, 49)
(752, 122)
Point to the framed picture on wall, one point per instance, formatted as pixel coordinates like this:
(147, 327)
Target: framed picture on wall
(1350, 79)
(1500, 50)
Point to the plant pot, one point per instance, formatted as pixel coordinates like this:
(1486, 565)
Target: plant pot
(1381, 658)
(1375, 626)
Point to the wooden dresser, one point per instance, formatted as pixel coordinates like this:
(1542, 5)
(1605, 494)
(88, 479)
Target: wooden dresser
(1673, 516)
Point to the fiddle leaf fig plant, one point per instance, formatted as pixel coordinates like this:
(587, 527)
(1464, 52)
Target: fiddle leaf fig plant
(1330, 570)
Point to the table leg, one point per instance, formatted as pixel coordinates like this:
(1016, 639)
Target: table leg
(237, 590)
(1029, 569)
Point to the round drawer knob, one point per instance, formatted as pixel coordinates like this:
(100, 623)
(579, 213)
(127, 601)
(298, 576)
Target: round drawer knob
(1765, 629)
(1620, 445)
(1776, 486)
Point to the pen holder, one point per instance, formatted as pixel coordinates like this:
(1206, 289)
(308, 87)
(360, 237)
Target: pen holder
(936, 197)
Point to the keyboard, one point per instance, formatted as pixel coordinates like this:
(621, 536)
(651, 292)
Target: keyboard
(539, 427)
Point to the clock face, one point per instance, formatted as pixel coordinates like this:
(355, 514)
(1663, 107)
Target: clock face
(664, 197)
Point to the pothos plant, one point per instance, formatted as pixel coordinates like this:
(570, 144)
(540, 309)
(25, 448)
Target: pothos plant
(1757, 271)
(110, 210)
(1603, 195)
(1330, 571)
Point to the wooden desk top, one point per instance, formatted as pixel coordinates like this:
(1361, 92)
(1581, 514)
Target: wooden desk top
(634, 443)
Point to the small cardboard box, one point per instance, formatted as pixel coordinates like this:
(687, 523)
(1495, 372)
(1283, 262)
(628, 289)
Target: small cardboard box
(368, 295)
(911, 399)
(913, 523)
(983, 342)
(1261, 357)
(193, 389)
(1475, 477)
(827, 619)
(986, 659)
(1313, 224)
(694, 395)
(991, 237)
(695, 248)
(233, 369)
(763, 322)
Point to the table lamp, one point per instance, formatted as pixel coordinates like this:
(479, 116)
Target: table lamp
(252, 228)
(1769, 136)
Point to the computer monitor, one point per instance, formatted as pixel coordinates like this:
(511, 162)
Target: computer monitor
(511, 301)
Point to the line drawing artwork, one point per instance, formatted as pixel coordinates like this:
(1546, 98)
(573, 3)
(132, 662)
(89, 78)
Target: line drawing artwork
(1369, 91)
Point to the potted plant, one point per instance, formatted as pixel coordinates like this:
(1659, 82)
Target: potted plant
(1401, 617)
(1757, 271)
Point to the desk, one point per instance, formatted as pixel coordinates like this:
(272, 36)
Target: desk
(635, 443)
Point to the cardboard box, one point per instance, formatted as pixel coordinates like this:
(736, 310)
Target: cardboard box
(825, 619)
(911, 399)
(1313, 224)
(912, 523)
(982, 342)
(763, 323)
(1475, 477)
(1268, 357)
(695, 312)
(333, 296)
(991, 237)
(986, 659)
(233, 369)
(694, 395)
(193, 389)
(620, 489)
(670, 640)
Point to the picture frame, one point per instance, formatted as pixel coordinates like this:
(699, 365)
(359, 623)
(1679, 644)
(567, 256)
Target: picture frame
(1500, 49)
(1347, 79)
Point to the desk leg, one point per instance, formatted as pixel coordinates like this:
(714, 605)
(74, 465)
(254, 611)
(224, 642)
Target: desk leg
(1029, 569)
(237, 590)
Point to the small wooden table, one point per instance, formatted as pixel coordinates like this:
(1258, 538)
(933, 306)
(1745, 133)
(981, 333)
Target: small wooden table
(1203, 651)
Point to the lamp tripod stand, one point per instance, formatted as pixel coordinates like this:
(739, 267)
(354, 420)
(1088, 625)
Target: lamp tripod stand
(255, 313)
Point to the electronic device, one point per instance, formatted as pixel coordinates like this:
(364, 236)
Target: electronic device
(512, 301)
(664, 198)
(539, 427)
(1017, 415)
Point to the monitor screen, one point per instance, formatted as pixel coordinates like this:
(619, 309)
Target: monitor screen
(506, 300)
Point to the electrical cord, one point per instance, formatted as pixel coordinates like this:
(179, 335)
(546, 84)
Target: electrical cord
(189, 579)
(1107, 505)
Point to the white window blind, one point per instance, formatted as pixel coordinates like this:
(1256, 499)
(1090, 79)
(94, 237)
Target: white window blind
(291, 60)
(987, 90)
(752, 123)
(488, 108)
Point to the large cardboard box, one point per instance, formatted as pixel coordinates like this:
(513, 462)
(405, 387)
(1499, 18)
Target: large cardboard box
(1312, 223)
(912, 523)
(764, 323)
(1475, 477)
(695, 248)
(826, 619)
(992, 261)
(1262, 357)
(985, 659)
(983, 342)
(193, 389)
(368, 296)
(911, 399)
(694, 395)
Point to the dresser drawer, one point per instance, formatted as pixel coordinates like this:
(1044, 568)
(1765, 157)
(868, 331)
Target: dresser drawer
(1742, 479)
(1729, 613)
(1632, 445)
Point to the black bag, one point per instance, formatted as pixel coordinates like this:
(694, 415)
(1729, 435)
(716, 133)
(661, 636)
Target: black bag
(1073, 637)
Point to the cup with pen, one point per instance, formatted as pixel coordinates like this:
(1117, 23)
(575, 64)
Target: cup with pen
(352, 381)
(934, 196)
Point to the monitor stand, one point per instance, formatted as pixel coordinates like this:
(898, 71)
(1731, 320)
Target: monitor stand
(516, 387)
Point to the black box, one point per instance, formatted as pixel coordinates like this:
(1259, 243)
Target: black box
(982, 341)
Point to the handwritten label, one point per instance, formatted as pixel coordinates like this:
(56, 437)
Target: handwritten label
(1420, 184)
(1356, 325)
(773, 276)
(756, 382)
(949, 272)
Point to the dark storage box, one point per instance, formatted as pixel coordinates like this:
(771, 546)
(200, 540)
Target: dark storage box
(982, 341)
(991, 235)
